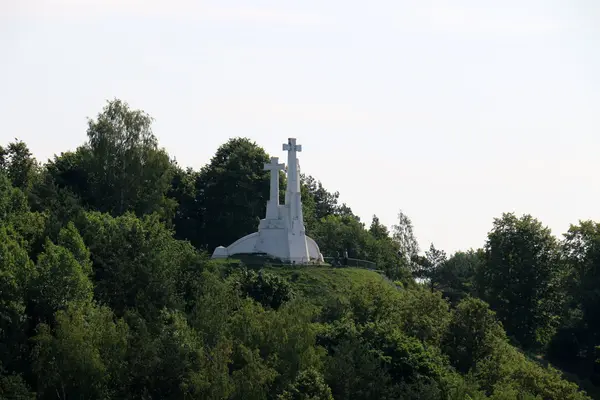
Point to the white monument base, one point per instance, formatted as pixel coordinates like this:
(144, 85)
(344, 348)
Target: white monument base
(273, 242)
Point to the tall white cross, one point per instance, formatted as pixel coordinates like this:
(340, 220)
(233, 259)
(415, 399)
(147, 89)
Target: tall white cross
(293, 183)
(292, 193)
(274, 167)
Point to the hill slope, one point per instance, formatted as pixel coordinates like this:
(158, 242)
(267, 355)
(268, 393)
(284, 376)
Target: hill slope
(411, 331)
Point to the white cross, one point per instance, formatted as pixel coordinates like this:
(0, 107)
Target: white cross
(292, 146)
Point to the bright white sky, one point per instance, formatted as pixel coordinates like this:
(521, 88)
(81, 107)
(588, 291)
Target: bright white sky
(453, 111)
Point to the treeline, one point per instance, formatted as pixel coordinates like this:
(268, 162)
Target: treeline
(545, 291)
(107, 292)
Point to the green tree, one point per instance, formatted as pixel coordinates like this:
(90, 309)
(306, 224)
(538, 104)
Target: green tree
(337, 234)
(12, 200)
(384, 252)
(268, 289)
(427, 267)
(232, 193)
(309, 385)
(17, 162)
(522, 278)
(325, 202)
(70, 170)
(575, 345)
(319, 203)
(187, 219)
(424, 314)
(59, 204)
(136, 262)
(271, 347)
(82, 355)
(16, 273)
(60, 280)
(13, 387)
(125, 168)
(14, 212)
(403, 234)
(473, 334)
(70, 239)
(377, 230)
(170, 361)
(507, 371)
(456, 277)
(211, 303)
(354, 371)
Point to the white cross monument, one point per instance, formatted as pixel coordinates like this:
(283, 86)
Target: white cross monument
(282, 233)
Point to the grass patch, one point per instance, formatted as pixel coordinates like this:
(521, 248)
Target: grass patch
(317, 283)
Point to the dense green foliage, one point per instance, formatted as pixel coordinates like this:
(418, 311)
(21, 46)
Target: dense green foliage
(107, 290)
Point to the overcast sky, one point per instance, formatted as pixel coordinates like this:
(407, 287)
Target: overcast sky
(452, 111)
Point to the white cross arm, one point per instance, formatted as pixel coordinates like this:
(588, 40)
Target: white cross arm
(292, 147)
(274, 165)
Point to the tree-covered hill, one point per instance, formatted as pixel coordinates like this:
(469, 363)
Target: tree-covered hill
(107, 290)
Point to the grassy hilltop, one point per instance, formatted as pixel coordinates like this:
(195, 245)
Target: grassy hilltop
(316, 283)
